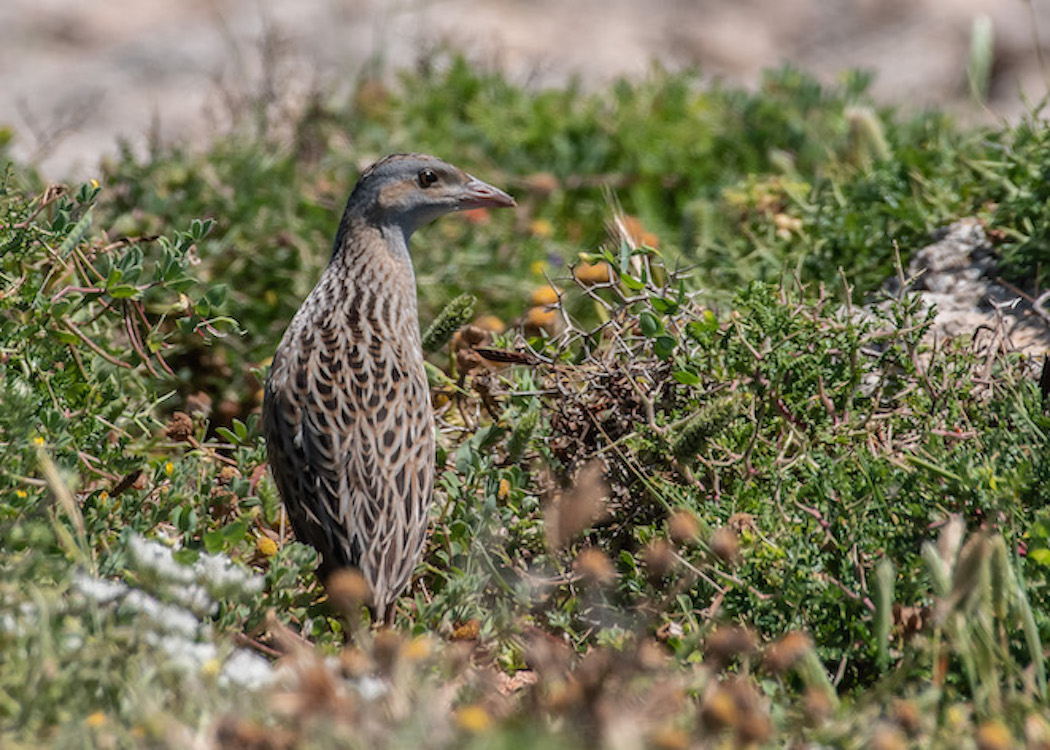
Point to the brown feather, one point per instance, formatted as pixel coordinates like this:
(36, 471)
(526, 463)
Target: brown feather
(346, 412)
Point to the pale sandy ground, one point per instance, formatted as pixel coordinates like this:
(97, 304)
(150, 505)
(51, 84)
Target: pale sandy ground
(75, 76)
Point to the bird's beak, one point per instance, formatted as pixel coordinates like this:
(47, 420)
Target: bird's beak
(478, 194)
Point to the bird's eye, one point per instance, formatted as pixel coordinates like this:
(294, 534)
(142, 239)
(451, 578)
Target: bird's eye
(427, 177)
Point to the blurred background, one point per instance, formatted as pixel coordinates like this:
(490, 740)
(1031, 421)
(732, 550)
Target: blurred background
(75, 76)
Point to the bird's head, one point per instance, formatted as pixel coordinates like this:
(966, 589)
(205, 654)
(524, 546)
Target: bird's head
(410, 190)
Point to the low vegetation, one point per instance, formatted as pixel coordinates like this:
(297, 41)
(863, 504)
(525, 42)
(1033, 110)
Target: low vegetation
(701, 482)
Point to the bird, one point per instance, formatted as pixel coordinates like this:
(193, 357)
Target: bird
(346, 412)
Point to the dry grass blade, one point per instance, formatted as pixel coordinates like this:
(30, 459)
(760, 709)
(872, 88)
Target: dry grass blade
(79, 549)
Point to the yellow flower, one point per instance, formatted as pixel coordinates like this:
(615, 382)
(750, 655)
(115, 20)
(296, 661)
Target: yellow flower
(38, 440)
(211, 667)
(545, 295)
(993, 735)
(504, 489)
(94, 183)
(417, 649)
(473, 718)
(266, 546)
(96, 719)
(541, 317)
(541, 228)
(103, 496)
(21, 494)
(593, 273)
(169, 468)
(490, 323)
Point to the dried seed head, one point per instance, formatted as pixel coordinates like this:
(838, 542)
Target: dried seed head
(471, 335)
(238, 732)
(1036, 732)
(386, 647)
(227, 474)
(650, 655)
(753, 725)
(564, 696)
(199, 404)
(467, 631)
(573, 510)
(594, 566)
(180, 427)
(786, 652)
(683, 527)
(594, 670)
(740, 522)
(354, 662)
(887, 737)
(755, 729)
(658, 558)
(348, 590)
(993, 735)
(548, 656)
(222, 501)
(907, 715)
(669, 738)
(467, 360)
(817, 705)
(727, 643)
(725, 546)
(718, 709)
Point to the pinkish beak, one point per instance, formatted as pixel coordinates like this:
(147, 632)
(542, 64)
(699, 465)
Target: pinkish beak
(478, 194)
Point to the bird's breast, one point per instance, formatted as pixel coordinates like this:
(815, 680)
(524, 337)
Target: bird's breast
(355, 350)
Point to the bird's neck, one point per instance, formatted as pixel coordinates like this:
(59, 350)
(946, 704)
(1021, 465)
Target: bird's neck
(375, 262)
(360, 241)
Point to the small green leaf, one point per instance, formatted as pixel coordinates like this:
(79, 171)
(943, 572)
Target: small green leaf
(1039, 556)
(122, 291)
(227, 435)
(649, 324)
(65, 337)
(664, 306)
(216, 295)
(186, 556)
(625, 256)
(234, 532)
(213, 541)
(685, 377)
(631, 283)
(663, 346)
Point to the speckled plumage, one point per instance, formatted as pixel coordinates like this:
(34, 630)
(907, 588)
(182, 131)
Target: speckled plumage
(346, 411)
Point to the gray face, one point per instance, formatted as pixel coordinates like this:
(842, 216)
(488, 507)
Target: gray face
(411, 190)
